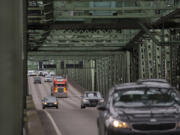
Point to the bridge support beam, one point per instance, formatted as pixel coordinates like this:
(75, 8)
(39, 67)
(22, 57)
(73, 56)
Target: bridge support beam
(11, 69)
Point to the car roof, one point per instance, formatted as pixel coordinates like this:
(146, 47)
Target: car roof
(145, 84)
(48, 76)
(153, 80)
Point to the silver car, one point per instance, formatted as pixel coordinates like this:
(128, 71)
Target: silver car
(91, 99)
(48, 78)
(49, 101)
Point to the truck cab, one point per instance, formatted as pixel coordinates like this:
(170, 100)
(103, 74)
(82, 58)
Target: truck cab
(59, 88)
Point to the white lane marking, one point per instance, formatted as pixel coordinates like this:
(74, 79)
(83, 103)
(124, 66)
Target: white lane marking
(58, 132)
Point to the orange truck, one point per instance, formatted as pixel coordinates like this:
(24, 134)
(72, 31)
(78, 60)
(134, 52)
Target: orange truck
(59, 88)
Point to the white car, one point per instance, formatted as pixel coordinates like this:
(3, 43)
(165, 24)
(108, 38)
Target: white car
(48, 78)
(52, 73)
(45, 73)
(32, 73)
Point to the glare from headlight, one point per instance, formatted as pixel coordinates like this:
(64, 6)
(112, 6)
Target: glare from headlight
(178, 124)
(55, 102)
(119, 124)
(116, 123)
(102, 100)
(85, 100)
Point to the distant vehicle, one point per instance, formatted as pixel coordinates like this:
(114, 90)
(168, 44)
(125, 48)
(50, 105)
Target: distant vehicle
(145, 107)
(52, 73)
(59, 88)
(32, 73)
(37, 79)
(45, 73)
(49, 101)
(91, 99)
(48, 78)
(40, 73)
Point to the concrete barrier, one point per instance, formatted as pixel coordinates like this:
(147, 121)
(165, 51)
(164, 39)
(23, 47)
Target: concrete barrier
(33, 123)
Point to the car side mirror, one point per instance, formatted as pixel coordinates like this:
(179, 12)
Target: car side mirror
(102, 107)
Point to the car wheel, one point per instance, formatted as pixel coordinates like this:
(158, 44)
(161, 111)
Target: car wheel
(83, 107)
(44, 107)
(106, 132)
(57, 107)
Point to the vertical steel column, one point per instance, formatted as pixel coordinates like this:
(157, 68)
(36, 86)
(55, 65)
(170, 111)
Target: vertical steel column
(11, 59)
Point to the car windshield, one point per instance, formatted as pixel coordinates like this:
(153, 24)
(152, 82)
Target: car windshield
(37, 78)
(50, 99)
(93, 95)
(145, 97)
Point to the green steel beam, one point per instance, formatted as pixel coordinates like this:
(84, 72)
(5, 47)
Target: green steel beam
(70, 53)
(137, 9)
(124, 16)
(78, 48)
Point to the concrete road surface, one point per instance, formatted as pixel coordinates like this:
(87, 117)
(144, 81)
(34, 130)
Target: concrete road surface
(69, 119)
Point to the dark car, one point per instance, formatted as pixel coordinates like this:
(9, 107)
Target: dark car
(37, 79)
(142, 108)
(49, 101)
(91, 99)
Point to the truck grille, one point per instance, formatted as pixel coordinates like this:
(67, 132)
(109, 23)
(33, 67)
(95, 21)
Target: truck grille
(60, 90)
(148, 127)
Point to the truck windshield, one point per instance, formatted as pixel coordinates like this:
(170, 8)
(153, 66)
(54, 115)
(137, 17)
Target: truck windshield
(145, 97)
(60, 85)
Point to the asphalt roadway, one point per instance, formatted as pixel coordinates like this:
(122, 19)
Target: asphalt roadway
(69, 119)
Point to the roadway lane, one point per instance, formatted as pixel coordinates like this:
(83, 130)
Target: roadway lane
(69, 118)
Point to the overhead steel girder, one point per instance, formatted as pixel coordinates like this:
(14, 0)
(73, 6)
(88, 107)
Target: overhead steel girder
(144, 28)
(72, 53)
(48, 58)
(159, 43)
(84, 44)
(134, 9)
(125, 16)
(78, 48)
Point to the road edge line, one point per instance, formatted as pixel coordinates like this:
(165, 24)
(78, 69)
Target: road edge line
(58, 132)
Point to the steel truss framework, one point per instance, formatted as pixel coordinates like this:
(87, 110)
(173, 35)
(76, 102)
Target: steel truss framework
(117, 42)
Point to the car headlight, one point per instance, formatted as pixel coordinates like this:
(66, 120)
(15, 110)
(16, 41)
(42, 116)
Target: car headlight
(118, 123)
(44, 103)
(178, 124)
(85, 100)
(102, 100)
(55, 103)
